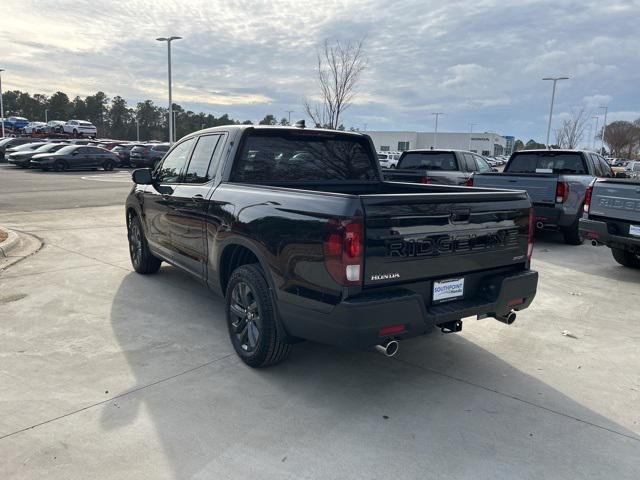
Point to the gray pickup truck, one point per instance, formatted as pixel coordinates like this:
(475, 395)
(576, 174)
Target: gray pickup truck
(613, 218)
(556, 181)
(442, 167)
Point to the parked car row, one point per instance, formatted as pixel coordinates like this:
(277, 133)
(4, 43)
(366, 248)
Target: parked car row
(77, 128)
(50, 154)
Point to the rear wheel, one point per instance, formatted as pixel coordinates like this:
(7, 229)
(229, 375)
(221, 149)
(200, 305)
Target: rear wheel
(571, 233)
(142, 260)
(626, 258)
(251, 319)
(108, 165)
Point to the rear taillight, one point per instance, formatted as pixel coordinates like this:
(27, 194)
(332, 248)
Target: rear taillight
(532, 232)
(146, 150)
(562, 192)
(469, 182)
(425, 180)
(587, 198)
(343, 251)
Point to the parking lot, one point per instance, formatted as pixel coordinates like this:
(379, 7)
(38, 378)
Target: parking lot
(109, 374)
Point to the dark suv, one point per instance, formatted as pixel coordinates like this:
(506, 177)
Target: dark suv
(124, 152)
(147, 155)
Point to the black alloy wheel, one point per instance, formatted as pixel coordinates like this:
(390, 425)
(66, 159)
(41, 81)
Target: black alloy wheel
(142, 260)
(251, 318)
(108, 165)
(245, 317)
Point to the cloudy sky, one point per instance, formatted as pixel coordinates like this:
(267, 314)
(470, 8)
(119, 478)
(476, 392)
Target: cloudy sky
(477, 61)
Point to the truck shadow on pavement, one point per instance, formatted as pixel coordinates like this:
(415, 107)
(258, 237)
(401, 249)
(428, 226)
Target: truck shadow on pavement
(585, 258)
(443, 405)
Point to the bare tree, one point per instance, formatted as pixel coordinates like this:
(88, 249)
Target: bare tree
(620, 135)
(571, 131)
(340, 66)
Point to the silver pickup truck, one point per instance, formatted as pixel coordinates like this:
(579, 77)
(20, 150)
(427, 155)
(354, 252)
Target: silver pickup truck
(443, 167)
(613, 218)
(556, 181)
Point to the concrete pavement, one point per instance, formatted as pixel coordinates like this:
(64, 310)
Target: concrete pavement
(109, 374)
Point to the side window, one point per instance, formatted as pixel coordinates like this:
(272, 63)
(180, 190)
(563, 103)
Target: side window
(483, 166)
(470, 163)
(606, 169)
(83, 150)
(173, 164)
(201, 169)
(596, 165)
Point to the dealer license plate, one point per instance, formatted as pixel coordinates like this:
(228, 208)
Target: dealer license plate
(445, 290)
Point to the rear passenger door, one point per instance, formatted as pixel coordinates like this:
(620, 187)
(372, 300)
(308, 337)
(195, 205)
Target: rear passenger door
(190, 204)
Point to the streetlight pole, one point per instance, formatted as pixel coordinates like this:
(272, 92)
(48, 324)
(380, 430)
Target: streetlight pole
(46, 115)
(593, 140)
(1, 104)
(604, 129)
(175, 127)
(435, 132)
(471, 125)
(553, 96)
(289, 112)
(169, 40)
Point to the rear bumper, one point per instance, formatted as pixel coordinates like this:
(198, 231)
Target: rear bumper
(356, 322)
(552, 216)
(599, 231)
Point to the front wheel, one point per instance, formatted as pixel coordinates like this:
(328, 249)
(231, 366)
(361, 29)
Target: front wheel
(251, 319)
(60, 166)
(142, 260)
(626, 258)
(108, 165)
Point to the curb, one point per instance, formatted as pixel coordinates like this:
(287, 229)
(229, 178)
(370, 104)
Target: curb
(17, 246)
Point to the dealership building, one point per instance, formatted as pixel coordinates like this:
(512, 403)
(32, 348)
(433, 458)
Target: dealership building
(488, 143)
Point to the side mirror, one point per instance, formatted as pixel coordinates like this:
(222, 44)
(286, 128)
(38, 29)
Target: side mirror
(142, 176)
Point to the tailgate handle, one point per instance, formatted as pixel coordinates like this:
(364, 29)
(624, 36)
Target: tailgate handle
(460, 216)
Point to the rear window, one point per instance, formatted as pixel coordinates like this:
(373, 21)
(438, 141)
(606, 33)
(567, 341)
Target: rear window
(161, 148)
(547, 162)
(292, 156)
(430, 161)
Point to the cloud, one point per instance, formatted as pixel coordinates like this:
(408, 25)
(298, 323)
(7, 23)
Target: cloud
(478, 62)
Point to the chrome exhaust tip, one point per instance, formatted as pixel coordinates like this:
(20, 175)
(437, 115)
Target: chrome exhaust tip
(594, 243)
(509, 318)
(388, 349)
(539, 225)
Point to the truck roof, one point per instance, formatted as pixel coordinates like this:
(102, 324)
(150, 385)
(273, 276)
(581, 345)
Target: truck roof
(436, 150)
(278, 127)
(554, 150)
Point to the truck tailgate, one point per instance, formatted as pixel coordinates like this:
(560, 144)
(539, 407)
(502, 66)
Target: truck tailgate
(439, 235)
(619, 199)
(540, 187)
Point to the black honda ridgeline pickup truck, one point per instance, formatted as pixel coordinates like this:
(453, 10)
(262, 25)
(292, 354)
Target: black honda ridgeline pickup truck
(297, 230)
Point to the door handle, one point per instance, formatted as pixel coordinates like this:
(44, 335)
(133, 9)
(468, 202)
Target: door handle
(197, 198)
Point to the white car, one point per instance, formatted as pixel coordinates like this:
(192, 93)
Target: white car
(388, 159)
(80, 127)
(34, 127)
(55, 126)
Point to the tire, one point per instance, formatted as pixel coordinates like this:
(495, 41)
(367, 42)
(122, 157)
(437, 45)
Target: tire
(60, 166)
(142, 260)
(571, 234)
(108, 165)
(75, 132)
(626, 258)
(251, 319)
